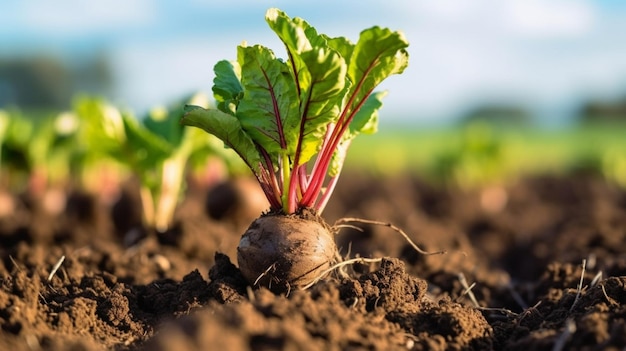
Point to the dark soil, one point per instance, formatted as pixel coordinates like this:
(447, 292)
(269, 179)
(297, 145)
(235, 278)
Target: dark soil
(522, 250)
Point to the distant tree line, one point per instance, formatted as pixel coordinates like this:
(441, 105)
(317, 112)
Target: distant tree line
(603, 111)
(47, 82)
(498, 114)
(591, 111)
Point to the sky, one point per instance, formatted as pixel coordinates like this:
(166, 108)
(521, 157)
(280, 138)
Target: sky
(547, 55)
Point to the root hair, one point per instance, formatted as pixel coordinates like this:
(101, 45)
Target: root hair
(266, 272)
(344, 223)
(339, 265)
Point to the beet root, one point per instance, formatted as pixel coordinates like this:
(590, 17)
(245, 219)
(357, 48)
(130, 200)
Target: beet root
(285, 252)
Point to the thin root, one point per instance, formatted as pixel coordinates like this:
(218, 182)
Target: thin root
(17, 266)
(341, 272)
(266, 272)
(580, 286)
(528, 312)
(348, 226)
(610, 300)
(343, 222)
(56, 267)
(503, 311)
(339, 265)
(468, 289)
(596, 279)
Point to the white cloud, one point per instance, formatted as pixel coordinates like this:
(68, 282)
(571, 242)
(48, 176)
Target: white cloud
(77, 17)
(543, 53)
(549, 18)
(556, 18)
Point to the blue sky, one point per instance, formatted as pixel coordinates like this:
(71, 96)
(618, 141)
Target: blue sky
(546, 54)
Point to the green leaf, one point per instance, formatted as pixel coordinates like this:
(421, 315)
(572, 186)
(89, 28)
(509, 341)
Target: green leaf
(319, 72)
(228, 129)
(227, 88)
(165, 124)
(342, 45)
(145, 150)
(101, 128)
(292, 32)
(338, 158)
(294, 37)
(365, 121)
(268, 111)
(322, 99)
(378, 54)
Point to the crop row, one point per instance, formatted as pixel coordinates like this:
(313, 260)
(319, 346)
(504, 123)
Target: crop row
(95, 147)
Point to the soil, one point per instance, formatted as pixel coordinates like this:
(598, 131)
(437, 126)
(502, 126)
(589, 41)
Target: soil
(536, 265)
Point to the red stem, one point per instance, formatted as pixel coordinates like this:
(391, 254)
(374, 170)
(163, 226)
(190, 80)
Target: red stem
(291, 195)
(273, 192)
(330, 145)
(303, 179)
(327, 152)
(293, 181)
(307, 199)
(326, 196)
(267, 189)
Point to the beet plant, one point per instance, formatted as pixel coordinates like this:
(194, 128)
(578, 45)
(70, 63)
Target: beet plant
(156, 149)
(35, 152)
(292, 121)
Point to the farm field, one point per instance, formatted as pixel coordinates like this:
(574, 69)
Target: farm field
(512, 150)
(180, 289)
(536, 262)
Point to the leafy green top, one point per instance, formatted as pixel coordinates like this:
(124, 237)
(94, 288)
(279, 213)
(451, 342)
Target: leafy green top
(279, 116)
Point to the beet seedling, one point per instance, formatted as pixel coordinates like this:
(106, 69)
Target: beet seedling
(155, 148)
(292, 122)
(38, 148)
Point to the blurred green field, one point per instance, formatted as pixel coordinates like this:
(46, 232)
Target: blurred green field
(481, 153)
(468, 155)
